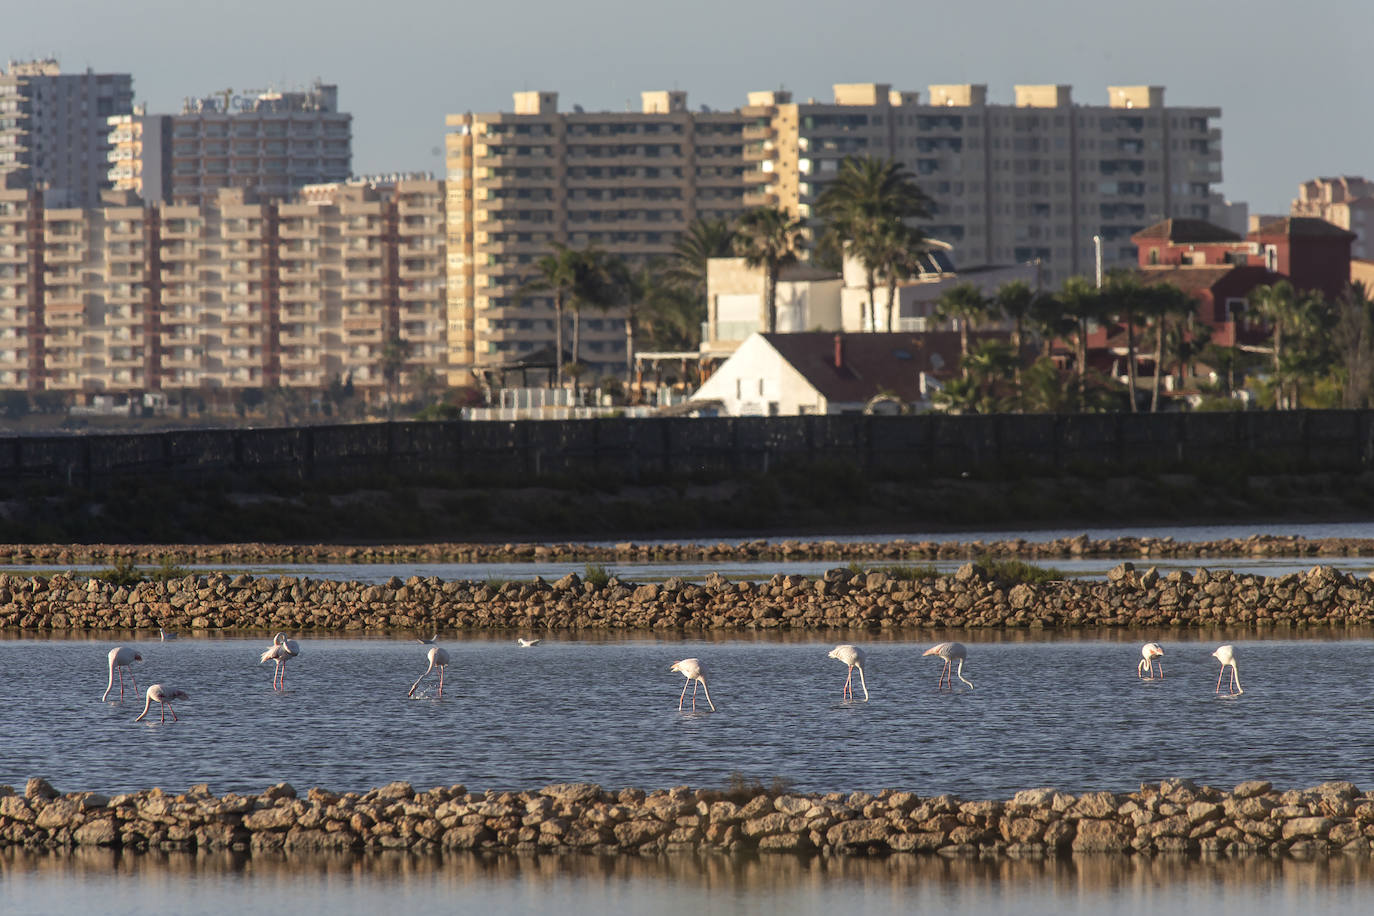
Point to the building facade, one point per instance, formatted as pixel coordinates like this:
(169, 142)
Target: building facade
(268, 142)
(344, 283)
(1346, 201)
(54, 130)
(140, 156)
(1035, 180)
(628, 183)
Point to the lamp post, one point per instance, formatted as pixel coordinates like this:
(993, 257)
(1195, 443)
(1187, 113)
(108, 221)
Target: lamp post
(1097, 250)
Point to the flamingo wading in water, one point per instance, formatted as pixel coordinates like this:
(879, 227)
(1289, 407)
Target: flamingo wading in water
(161, 693)
(281, 650)
(950, 652)
(524, 643)
(1146, 669)
(852, 656)
(121, 657)
(438, 658)
(1227, 656)
(691, 669)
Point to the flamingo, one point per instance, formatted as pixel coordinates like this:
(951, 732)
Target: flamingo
(690, 668)
(121, 657)
(163, 694)
(438, 658)
(427, 642)
(526, 643)
(165, 635)
(854, 658)
(950, 652)
(1146, 669)
(281, 650)
(1227, 656)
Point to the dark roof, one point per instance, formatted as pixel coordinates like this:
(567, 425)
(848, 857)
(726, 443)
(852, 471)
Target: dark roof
(873, 362)
(1301, 227)
(1187, 278)
(1186, 231)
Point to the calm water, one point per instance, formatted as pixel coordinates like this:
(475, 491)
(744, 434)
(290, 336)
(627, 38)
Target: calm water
(100, 881)
(1065, 713)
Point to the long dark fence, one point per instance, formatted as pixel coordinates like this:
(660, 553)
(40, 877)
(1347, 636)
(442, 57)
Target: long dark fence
(621, 449)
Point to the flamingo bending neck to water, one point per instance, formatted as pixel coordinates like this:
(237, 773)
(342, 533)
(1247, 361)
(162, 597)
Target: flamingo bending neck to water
(1227, 656)
(1145, 670)
(281, 650)
(950, 652)
(121, 657)
(164, 695)
(438, 658)
(852, 656)
(691, 669)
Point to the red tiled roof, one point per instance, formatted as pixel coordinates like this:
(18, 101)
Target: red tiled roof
(873, 362)
(1301, 227)
(1187, 278)
(1186, 231)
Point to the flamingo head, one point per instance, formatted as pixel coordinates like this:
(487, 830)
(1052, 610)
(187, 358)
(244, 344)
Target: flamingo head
(138, 656)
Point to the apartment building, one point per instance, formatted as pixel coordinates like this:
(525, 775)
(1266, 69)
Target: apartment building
(140, 157)
(1035, 180)
(54, 131)
(1347, 201)
(627, 182)
(240, 293)
(268, 142)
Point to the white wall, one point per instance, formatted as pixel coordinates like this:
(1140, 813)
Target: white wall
(757, 381)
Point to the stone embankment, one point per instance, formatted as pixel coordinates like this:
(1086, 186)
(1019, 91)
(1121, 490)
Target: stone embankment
(1175, 816)
(1126, 548)
(839, 600)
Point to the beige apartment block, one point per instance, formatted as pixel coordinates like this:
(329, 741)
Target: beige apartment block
(1347, 201)
(626, 182)
(272, 143)
(1035, 180)
(21, 295)
(140, 154)
(54, 130)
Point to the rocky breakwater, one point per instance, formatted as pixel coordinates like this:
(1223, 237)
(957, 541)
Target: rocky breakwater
(1175, 816)
(897, 550)
(841, 599)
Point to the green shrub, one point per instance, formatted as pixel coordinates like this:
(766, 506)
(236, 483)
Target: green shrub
(124, 573)
(912, 573)
(1013, 572)
(166, 570)
(597, 575)
(740, 789)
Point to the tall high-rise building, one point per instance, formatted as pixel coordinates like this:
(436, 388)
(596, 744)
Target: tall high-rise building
(627, 183)
(140, 156)
(268, 142)
(54, 130)
(1033, 180)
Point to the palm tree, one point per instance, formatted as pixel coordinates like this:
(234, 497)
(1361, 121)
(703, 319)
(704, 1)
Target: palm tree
(393, 360)
(1016, 300)
(1126, 300)
(1081, 302)
(1164, 302)
(966, 304)
(897, 252)
(701, 241)
(1292, 315)
(769, 239)
(572, 277)
(861, 207)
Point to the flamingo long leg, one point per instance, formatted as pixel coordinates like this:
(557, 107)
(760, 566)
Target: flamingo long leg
(708, 697)
(173, 711)
(694, 696)
(682, 696)
(848, 686)
(1220, 674)
(441, 680)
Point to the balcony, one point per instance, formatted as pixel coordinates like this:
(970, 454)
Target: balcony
(306, 359)
(132, 318)
(303, 292)
(436, 296)
(65, 254)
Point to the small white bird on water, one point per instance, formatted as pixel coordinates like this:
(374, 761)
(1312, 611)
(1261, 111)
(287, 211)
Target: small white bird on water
(691, 669)
(165, 635)
(1145, 670)
(526, 643)
(121, 657)
(281, 650)
(950, 652)
(161, 693)
(1227, 656)
(438, 658)
(852, 656)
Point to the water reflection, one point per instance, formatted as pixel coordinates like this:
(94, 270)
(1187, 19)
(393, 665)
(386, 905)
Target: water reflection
(576, 884)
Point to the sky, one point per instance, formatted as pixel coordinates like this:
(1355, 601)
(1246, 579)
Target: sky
(1292, 80)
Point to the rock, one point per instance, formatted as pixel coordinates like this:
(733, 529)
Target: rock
(39, 788)
(99, 832)
(1252, 788)
(862, 832)
(1306, 827)
(572, 793)
(1097, 835)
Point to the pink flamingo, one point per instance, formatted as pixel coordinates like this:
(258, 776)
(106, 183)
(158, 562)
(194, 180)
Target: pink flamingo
(691, 669)
(281, 650)
(852, 656)
(121, 657)
(950, 652)
(438, 658)
(163, 694)
(1146, 669)
(1227, 656)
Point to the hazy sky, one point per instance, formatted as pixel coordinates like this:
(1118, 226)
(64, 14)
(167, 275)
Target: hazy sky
(1293, 80)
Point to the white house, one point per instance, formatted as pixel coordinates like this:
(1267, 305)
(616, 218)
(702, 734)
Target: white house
(828, 372)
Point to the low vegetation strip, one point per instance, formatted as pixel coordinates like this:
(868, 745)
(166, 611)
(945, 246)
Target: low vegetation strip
(1175, 816)
(975, 596)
